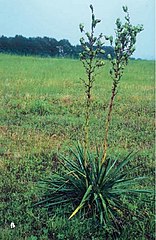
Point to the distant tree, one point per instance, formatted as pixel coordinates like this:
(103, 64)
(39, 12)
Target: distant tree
(3, 44)
(18, 44)
(46, 47)
(66, 47)
(53, 47)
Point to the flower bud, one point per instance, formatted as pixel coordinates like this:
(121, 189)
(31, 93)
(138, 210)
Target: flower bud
(118, 22)
(97, 21)
(132, 49)
(125, 8)
(87, 49)
(106, 37)
(94, 39)
(91, 7)
(127, 18)
(102, 51)
(82, 41)
(81, 26)
(109, 56)
(88, 35)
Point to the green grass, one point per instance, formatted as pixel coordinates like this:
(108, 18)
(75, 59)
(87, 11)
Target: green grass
(41, 109)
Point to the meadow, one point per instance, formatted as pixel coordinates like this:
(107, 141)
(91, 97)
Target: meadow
(42, 115)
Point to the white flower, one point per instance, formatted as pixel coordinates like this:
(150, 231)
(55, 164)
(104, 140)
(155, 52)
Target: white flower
(12, 225)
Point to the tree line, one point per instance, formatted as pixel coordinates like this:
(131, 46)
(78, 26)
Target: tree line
(43, 46)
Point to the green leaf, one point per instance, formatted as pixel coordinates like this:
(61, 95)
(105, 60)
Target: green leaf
(84, 199)
(123, 163)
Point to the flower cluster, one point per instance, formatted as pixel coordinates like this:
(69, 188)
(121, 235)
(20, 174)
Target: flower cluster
(124, 45)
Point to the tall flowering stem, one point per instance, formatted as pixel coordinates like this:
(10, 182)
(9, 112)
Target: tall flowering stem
(92, 48)
(124, 47)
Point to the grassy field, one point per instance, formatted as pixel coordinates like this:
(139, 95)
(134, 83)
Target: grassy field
(42, 115)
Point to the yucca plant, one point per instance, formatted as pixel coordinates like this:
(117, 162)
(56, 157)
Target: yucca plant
(93, 184)
(102, 196)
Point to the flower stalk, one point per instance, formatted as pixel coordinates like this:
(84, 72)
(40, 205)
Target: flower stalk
(92, 48)
(124, 47)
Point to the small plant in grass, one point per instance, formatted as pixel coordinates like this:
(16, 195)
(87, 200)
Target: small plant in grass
(94, 183)
(40, 107)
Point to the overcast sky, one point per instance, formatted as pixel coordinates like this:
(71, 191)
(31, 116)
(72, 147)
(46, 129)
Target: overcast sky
(60, 19)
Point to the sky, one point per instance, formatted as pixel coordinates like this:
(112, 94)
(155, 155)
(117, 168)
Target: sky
(60, 19)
